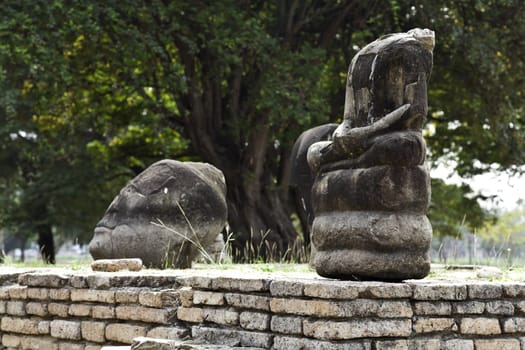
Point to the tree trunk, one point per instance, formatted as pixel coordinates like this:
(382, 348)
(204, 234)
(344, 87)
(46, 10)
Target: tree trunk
(45, 243)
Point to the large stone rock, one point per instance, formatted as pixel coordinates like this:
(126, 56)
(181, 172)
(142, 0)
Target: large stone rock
(372, 188)
(165, 216)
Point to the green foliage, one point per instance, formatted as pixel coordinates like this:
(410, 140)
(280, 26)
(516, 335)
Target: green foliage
(452, 208)
(93, 92)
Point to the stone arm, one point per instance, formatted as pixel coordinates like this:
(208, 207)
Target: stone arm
(350, 144)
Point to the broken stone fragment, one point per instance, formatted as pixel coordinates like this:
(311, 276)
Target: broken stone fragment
(113, 265)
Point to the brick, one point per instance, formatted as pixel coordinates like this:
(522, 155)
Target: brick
(93, 295)
(144, 314)
(254, 320)
(319, 308)
(491, 344)
(16, 308)
(248, 301)
(127, 296)
(11, 341)
(186, 296)
(172, 333)
(80, 310)
(38, 293)
(60, 310)
(229, 337)
(93, 331)
(287, 324)
(514, 290)
(520, 307)
(240, 283)
(391, 345)
(374, 308)
(207, 298)
(382, 290)
(457, 344)
(499, 307)
(361, 328)
(429, 325)
(103, 312)
(44, 327)
(3, 307)
(287, 343)
(480, 326)
(439, 308)
(221, 316)
(70, 346)
(190, 314)
(36, 308)
(424, 344)
(149, 298)
(442, 291)
(124, 333)
(43, 280)
(331, 290)
(17, 292)
(164, 298)
(98, 281)
(286, 288)
(201, 282)
(38, 343)
(78, 282)
(485, 291)
(65, 329)
(468, 307)
(95, 347)
(514, 325)
(59, 294)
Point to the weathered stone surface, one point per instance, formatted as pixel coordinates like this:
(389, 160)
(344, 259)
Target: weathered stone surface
(256, 302)
(19, 325)
(11, 341)
(44, 327)
(485, 291)
(514, 290)
(514, 325)
(357, 328)
(287, 343)
(430, 325)
(59, 294)
(480, 326)
(442, 291)
(65, 329)
(17, 292)
(499, 307)
(100, 296)
(38, 293)
(16, 308)
(188, 198)
(60, 310)
(432, 308)
(165, 298)
(113, 265)
(93, 331)
(254, 321)
(286, 288)
(173, 333)
(287, 324)
(221, 316)
(144, 314)
(36, 308)
(391, 345)
(190, 314)
(208, 298)
(148, 343)
(373, 186)
(37, 279)
(80, 310)
(103, 312)
(124, 333)
(492, 344)
(468, 307)
(424, 344)
(458, 344)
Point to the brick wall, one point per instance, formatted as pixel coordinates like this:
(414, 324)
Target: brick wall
(59, 310)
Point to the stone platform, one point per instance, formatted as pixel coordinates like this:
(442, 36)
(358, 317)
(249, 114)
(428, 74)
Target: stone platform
(56, 309)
